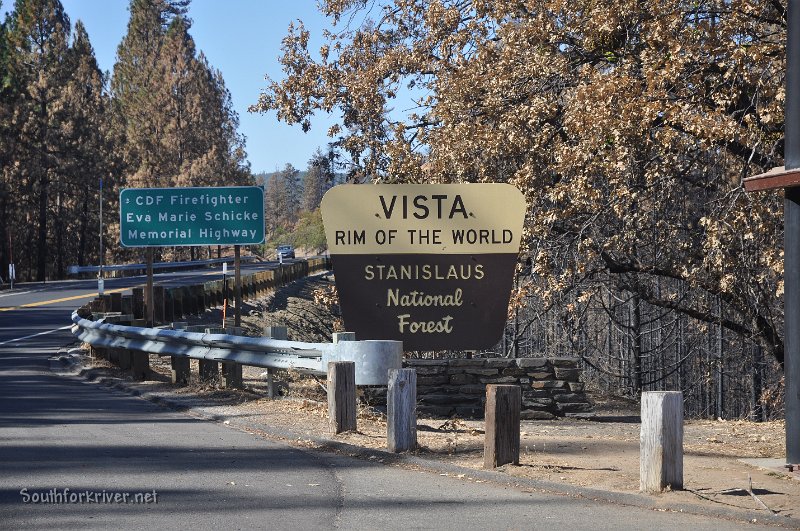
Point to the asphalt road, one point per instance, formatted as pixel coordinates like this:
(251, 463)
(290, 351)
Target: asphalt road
(59, 432)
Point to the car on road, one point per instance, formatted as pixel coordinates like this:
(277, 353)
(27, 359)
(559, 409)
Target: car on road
(285, 251)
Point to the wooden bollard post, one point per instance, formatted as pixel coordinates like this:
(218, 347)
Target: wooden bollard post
(401, 410)
(501, 442)
(342, 396)
(181, 370)
(661, 441)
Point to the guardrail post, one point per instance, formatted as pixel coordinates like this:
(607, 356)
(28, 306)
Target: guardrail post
(97, 353)
(169, 305)
(181, 371)
(158, 304)
(138, 303)
(209, 370)
(261, 284)
(274, 332)
(113, 356)
(125, 359)
(178, 309)
(187, 305)
(661, 441)
(140, 365)
(343, 336)
(208, 290)
(501, 442)
(247, 287)
(126, 305)
(232, 376)
(200, 299)
(401, 411)
(342, 396)
(116, 302)
(231, 372)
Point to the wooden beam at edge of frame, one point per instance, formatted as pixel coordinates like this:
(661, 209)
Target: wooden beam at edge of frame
(776, 178)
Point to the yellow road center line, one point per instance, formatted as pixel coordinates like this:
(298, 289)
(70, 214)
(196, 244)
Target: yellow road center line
(76, 297)
(65, 299)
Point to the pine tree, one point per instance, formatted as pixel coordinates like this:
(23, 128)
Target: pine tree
(6, 139)
(38, 38)
(282, 199)
(138, 90)
(318, 180)
(174, 109)
(91, 153)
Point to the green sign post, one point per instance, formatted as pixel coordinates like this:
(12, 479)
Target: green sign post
(165, 217)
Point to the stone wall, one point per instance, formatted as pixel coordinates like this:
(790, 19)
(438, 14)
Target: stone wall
(550, 386)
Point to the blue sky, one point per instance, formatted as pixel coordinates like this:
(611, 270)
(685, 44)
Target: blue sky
(242, 39)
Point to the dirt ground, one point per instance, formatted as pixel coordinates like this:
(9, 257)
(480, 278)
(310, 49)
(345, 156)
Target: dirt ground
(601, 453)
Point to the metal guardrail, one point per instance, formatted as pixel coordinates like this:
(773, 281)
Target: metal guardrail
(373, 359)
(77, 270)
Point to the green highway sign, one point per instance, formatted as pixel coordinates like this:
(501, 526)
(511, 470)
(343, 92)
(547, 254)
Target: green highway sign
(165, 217)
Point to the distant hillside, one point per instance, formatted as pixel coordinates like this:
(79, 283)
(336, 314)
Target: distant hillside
(263, 178)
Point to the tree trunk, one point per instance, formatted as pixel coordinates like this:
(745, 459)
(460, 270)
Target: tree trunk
(83, 228)
(636, 330)
(41, 255)
(757, 385)
(720, 361)
(60, 236)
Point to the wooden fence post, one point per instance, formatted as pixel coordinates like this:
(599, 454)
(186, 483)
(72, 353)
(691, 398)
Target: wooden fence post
(501, 442)
(401, 410)
(661, 441)
(342, 396)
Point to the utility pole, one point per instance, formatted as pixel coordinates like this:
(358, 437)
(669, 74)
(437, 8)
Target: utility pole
(788, 178)
(100, 281)
(791, 238)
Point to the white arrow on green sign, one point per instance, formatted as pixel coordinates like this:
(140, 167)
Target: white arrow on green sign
(165, 217)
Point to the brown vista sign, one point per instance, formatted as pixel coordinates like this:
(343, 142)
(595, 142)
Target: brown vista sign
(428, 264)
